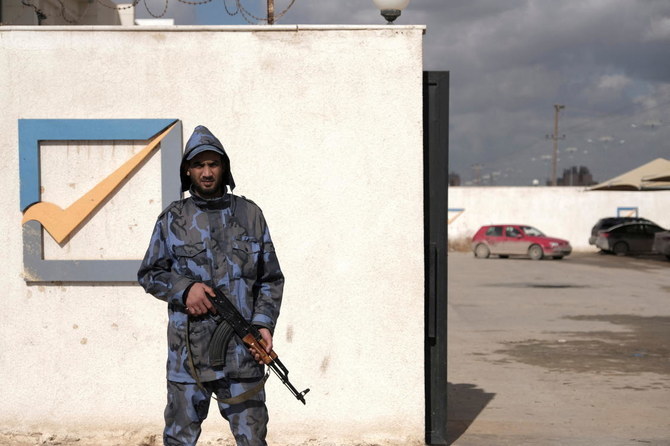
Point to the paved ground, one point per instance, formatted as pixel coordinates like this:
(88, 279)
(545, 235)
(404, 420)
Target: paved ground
(573, 352)
(559, 352)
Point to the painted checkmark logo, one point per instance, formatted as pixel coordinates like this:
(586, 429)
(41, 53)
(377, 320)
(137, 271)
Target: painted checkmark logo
(61, 223)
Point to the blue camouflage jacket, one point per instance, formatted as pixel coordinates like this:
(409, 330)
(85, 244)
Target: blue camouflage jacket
(224, 243)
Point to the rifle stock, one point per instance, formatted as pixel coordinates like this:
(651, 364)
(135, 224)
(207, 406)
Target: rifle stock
(234, 323)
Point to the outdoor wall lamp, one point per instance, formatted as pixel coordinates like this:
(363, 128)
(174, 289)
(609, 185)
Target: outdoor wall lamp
(391, 9)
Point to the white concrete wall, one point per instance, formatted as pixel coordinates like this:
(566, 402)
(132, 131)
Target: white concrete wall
(564, 212)
(320, 122)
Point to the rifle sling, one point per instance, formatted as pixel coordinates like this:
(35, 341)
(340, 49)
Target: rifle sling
(242, 397)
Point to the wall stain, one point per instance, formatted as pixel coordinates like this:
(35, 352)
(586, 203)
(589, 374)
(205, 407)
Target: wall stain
(325, 364)
(289, 334)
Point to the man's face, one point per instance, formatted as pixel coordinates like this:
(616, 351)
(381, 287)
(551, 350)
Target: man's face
(206, 173)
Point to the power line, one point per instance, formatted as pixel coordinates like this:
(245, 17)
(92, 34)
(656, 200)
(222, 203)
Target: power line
(612, 116)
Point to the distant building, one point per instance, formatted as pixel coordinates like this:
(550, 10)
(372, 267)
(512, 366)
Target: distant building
(576, 176)
(454, 179)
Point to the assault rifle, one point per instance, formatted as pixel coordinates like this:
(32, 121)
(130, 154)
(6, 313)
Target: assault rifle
(234, 323)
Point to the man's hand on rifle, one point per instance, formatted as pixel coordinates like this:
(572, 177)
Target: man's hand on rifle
(267, 341)
(197, 301)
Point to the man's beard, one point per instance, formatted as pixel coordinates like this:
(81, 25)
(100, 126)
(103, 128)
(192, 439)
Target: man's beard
(215, 191)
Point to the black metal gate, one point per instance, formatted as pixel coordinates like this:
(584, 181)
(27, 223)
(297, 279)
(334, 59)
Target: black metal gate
(436, 179)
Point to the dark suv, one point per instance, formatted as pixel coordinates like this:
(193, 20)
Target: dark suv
(608, 222)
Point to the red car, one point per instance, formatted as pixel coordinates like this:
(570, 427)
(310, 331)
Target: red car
(507, 240)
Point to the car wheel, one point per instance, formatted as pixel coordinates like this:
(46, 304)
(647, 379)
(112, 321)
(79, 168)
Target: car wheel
(620, 248)
(535, 252)
(482, 251)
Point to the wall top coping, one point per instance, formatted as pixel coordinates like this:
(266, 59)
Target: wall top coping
(219, 28)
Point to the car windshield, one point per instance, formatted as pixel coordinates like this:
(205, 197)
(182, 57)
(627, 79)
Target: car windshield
(531, 231)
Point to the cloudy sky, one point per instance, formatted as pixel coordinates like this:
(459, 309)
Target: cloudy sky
(510, 62)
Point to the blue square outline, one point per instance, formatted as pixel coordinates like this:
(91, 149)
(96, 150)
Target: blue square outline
(31, 131)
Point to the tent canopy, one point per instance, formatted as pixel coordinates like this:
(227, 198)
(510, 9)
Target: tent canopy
(653, 175)
(662, 178)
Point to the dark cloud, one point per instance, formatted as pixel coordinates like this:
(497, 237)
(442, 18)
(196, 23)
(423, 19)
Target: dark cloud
(606, 61)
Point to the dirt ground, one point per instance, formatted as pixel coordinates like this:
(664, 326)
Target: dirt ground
(137, 439)
(569, 352)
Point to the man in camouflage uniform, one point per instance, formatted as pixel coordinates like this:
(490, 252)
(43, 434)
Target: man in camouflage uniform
(212, 239)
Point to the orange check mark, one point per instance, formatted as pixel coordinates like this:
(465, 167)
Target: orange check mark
(458, 214)
(61, 223)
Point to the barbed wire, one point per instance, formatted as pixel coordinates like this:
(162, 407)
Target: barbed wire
(73, 21)
(154, 15)
(117, 7)
(225, 5)
(281, 14)
(38, 12)
(195, 3)
(247, 15)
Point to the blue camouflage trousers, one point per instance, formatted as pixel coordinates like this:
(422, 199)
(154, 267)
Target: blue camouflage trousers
(188, 405)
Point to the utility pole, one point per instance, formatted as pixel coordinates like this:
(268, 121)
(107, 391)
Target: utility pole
(557, 108)
(271, 12)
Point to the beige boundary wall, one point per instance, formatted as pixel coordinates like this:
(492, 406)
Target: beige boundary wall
(564, 212)
(320, 123)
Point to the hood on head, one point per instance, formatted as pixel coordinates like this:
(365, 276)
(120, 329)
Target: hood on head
(200, 141)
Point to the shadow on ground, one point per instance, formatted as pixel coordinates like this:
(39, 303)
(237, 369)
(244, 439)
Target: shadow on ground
(464, 403)
(643, 348)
